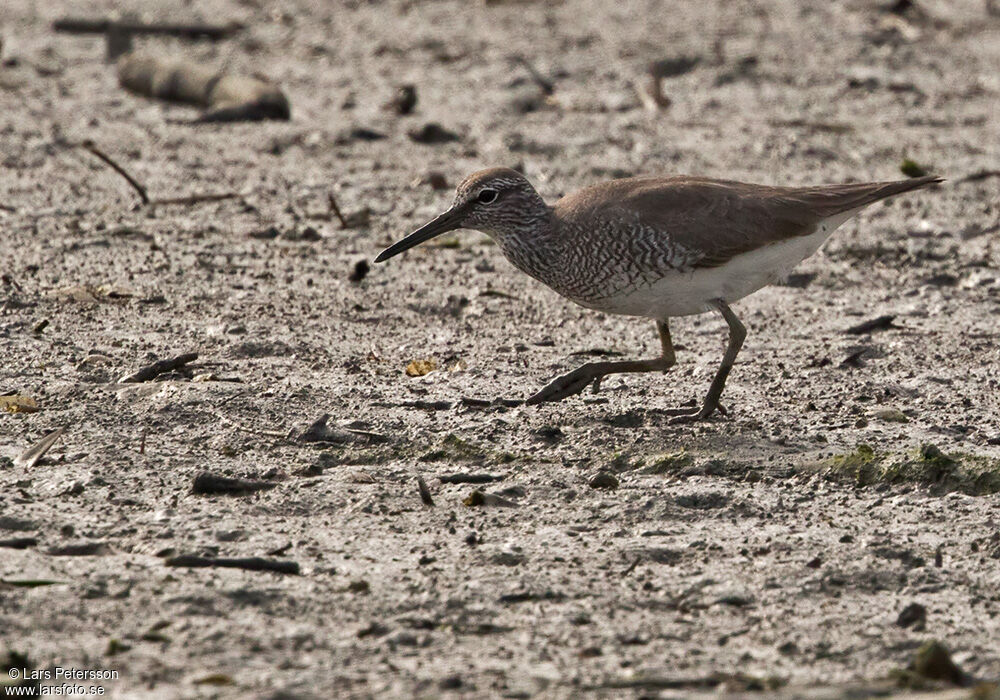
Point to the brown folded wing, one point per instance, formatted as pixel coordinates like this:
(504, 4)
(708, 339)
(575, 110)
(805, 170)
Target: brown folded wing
(714, 220)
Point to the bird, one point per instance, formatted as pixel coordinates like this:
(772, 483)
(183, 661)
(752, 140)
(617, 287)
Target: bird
(657, 247)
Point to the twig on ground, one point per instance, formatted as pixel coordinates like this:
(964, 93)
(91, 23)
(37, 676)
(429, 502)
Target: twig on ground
(336, 209)
(196, 199)
(212, 32)
(30, 457)
(89, 146)
(245, 429)
(207, 483)
(546, 85)
(881, 323)
(425, 493)
(160, 367)
(248, 563)
(979, 175)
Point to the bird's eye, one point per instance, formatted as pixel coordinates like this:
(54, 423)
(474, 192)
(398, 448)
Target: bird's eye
(487, 196)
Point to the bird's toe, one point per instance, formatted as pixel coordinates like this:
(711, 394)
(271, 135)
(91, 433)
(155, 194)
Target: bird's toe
(561, 387)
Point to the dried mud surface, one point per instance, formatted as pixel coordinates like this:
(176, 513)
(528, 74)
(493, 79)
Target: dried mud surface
(738, 556)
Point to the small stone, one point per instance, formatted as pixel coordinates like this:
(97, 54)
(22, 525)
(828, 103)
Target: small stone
(360, 271)
(267, 234)
(913, 615)
(403, 101)
(375, 629)
(891, 415)
(433, 133)
(603, 480)
(814, 563)
(359, 586)
(436, 180)
(934, 662)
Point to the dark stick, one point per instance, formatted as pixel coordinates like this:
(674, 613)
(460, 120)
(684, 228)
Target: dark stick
(980, 175)
(157, 368)
(881, 323)
(89, 145)
(196, 198)
(248, 563)
(209, 483)
(79, 25)
(335, 209)
(546, 85)
(425, 493)
(142, 442)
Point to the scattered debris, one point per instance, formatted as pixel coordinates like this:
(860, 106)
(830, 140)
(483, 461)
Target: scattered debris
(544, 84)
(8, 522)
(854, 358)
(360, 133)
(359, 586)
(320, 431)
(798, 280)
(479, 498)
(82, 549)
(356, 219)
(891, 415)
(433, 133)
(435, 179)
(913, 615)
(911, 168)
(827, 127)
(280, 550)
(980, 175)
(280, 566)
(419, 368)
(469, 478)
(140, 190)
(654, 98)
(226, 98)
(212, 32)
(529, 597)
(471, 402)
(881, 323)
(29, 583)
(215, 679)
(360, 271)
(425, 493)
(603, 480)
(207, 483)
(154, 370)
(403, 101)
(30, 457)
(18, 403)
(932, 663)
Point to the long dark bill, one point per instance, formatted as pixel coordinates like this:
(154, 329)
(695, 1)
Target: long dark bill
(449, 221)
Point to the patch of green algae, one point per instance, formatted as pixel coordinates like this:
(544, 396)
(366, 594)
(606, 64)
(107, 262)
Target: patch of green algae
(976, 475)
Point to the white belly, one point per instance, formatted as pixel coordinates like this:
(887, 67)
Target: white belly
(686, 293)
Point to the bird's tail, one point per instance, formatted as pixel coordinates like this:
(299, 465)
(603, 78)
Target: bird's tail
(831, 200)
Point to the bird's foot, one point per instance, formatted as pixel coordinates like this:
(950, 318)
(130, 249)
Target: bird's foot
(692, 414)
(568, 384)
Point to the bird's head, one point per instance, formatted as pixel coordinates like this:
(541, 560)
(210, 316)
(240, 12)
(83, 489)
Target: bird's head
(500, 202)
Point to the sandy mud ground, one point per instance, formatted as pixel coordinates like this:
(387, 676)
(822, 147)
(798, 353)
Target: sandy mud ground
(775, 548)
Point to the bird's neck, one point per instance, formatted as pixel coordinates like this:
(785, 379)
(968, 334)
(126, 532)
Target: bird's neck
(531, 244)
